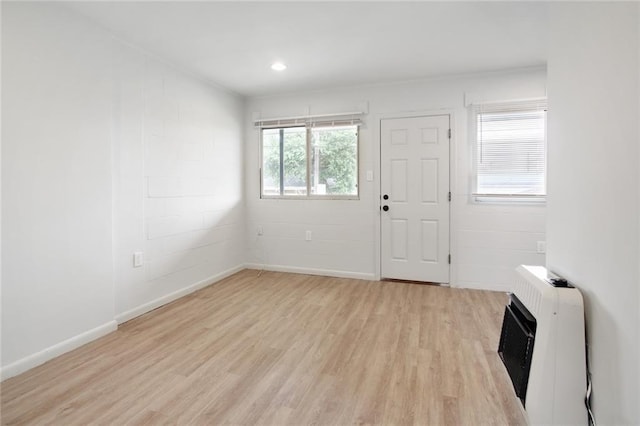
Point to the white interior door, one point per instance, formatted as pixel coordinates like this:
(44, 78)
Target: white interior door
(415, 214)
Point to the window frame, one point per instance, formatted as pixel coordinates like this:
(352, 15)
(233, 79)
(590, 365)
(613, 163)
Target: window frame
(508, 106)
(308, 131)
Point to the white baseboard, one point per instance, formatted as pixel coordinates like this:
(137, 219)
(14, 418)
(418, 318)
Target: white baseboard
(154, 304)
(503, 288)
(312, 271)
(58, 349)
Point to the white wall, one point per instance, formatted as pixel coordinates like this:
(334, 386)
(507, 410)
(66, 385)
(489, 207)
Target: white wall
(488, 241)
(593, 207)
(106, 151)
(178, 182)
(57, 277)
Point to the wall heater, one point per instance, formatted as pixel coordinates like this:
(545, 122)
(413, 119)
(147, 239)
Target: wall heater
(542, 345)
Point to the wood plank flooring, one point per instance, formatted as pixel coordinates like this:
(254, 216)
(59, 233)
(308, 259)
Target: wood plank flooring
(285, 349)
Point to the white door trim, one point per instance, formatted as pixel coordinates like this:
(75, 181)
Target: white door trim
(377, 166)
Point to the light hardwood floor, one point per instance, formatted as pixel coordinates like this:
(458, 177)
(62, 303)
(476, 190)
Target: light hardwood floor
(276, 349)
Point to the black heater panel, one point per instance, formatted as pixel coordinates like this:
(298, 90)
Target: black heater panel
(516, 344)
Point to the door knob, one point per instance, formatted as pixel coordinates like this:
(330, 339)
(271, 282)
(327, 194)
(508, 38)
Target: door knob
(385, 208)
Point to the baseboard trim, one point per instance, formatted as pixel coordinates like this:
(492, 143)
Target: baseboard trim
(312, 271)
(75, 342)
(503, 288)
(56, 350)
(168, 298)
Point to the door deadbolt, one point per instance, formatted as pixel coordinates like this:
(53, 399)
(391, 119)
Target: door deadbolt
(385, 196)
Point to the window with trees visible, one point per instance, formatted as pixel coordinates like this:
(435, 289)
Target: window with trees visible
(510, 151)
(305, 161)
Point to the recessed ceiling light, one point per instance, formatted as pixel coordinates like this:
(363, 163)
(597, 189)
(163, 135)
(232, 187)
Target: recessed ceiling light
(278, 66)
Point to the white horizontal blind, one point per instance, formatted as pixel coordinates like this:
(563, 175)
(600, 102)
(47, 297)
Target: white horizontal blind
(511, 149)
(341, 119)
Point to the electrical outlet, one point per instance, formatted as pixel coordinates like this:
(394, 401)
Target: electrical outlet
(542, 247)
(137, 259)
(307, 236)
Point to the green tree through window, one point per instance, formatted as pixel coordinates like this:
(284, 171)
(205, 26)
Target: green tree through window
(332, 159)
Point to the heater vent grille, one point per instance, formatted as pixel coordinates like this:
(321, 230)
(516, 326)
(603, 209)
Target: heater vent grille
(529, 294)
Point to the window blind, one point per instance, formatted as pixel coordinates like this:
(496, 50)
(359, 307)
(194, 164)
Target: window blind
(341, 119)
(511, 149)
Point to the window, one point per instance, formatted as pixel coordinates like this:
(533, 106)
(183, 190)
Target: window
(284, 161)
(510, 151)
(308, 161)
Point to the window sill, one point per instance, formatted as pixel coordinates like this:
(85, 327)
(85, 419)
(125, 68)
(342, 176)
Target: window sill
(311, 197)
(511, 199)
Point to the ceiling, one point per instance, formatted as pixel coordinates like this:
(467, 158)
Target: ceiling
(328, 44)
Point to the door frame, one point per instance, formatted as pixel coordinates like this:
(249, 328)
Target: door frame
(377, 193)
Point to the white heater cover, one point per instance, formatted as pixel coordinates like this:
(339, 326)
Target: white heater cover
(557, 380)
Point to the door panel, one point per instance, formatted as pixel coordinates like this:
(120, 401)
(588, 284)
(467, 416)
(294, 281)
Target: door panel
(399, 239)
(429, 240)
(415, 176)
(429, 181)
(399, 180)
